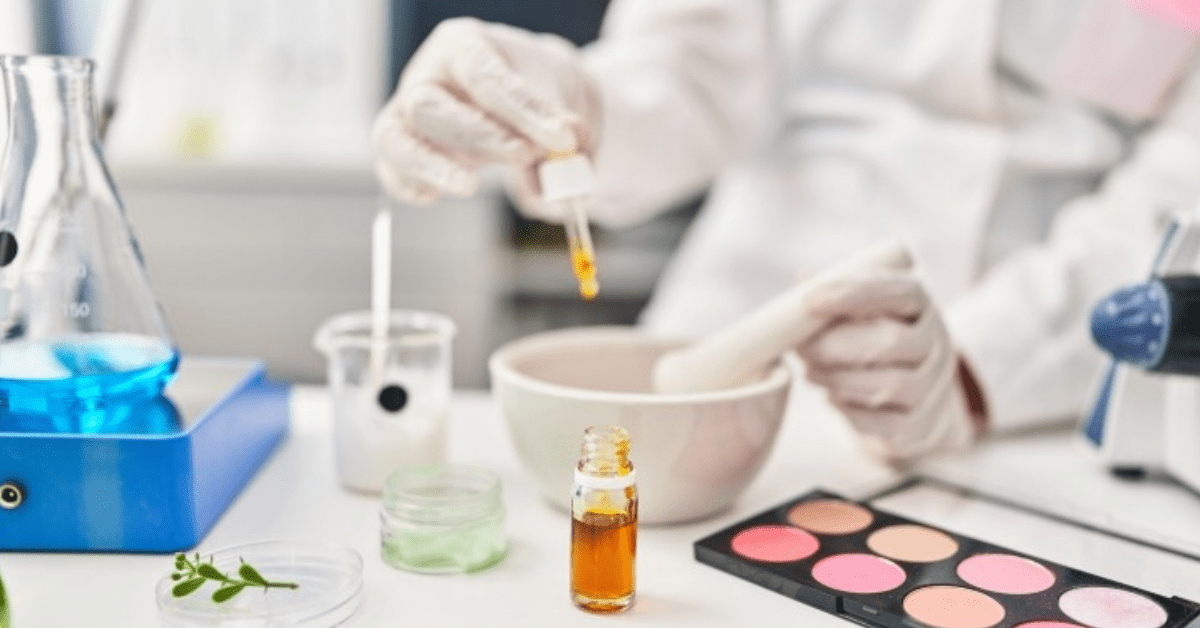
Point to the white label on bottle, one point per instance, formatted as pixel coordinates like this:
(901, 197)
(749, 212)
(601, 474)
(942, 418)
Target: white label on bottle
(591, 481)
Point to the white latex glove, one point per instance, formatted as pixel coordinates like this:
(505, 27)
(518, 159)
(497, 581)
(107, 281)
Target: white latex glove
(475, 94)
(890, 366)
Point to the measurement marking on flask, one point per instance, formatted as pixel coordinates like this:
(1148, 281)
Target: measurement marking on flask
(77, 310)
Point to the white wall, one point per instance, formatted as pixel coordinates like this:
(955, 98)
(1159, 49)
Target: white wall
(251, 262)
(16, 37)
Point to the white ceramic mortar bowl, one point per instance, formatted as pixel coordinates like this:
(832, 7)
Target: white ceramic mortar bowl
(693, 453)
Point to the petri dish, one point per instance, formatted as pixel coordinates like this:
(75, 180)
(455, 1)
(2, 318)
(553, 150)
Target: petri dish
(329, 579)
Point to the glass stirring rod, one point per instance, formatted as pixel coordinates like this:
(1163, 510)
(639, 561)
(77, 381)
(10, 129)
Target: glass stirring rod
(567, 183)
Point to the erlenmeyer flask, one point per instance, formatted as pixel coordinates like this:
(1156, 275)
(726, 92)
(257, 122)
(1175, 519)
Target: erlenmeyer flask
(81, 332)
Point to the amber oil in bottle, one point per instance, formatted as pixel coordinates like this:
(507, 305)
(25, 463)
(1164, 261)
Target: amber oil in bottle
(604, 523)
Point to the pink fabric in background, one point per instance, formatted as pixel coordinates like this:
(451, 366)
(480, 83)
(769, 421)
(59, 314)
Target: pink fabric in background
(1185, 13)
(1123, 59)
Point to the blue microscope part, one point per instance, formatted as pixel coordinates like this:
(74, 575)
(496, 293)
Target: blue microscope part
(1093, 426)
(1134, 323)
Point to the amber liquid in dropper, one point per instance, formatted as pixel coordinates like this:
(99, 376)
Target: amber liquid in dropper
(603, 547)
(585, 271)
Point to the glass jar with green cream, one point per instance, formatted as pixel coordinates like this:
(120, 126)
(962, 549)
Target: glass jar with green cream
(442, 519)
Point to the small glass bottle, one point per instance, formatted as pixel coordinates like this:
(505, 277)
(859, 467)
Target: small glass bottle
(604, 523)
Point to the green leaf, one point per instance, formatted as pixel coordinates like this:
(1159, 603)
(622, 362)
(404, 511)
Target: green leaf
(210, 572)
(187, 587)
(5, 620)
(251, 575)
(226, 592)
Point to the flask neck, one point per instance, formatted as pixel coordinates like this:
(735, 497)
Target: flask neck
(605, 452)
(50, 104)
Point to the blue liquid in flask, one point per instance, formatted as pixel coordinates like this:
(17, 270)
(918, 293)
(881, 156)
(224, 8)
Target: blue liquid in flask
(87, 383)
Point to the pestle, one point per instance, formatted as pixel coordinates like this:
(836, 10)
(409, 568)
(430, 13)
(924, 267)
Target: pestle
(731, 355)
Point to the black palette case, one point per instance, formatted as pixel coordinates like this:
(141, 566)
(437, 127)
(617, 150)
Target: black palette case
(886, 610)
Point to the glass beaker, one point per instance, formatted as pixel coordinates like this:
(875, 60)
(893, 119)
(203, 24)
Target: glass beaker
(396, 418)
(81, 331)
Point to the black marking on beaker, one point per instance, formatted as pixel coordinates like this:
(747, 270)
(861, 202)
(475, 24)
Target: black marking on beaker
(393, 398)
(1131, 473)
(8, 248)
(12, 495)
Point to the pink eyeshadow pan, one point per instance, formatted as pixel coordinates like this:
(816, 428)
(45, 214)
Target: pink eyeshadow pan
(774, 544)
(858, 573)
(1005, 573)
(1106, 607)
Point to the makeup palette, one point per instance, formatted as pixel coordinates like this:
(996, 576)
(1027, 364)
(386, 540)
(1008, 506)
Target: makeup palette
(867, 565)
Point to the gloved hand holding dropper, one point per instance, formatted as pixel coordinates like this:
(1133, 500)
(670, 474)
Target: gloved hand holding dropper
(478, 94)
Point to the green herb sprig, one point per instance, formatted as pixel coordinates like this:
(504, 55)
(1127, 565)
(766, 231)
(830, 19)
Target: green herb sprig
(191, 575)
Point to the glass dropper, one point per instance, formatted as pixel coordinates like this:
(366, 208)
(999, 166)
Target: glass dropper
(567, 183)
(583, 256)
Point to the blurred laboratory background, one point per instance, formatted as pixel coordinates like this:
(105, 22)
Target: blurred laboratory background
(241, 148)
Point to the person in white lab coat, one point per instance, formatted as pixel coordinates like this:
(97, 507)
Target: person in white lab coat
(1028, 151)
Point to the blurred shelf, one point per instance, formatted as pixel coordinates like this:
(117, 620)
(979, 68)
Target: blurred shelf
(313, 178)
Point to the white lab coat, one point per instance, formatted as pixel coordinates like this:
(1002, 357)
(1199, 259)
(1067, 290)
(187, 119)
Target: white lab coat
(1028, 150)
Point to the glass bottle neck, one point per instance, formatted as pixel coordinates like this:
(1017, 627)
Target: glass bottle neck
(605, 452)
(50, 101)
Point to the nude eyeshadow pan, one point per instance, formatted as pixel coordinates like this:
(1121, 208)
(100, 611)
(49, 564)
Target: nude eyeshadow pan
(912, 543)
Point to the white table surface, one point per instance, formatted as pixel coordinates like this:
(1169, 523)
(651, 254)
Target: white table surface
(296, 496)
